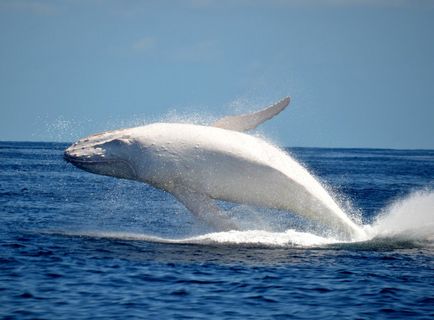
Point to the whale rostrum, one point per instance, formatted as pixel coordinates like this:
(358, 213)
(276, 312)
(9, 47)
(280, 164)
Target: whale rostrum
(199, 164)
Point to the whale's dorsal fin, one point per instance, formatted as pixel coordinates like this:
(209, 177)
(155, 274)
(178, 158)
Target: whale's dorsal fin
(245, 122)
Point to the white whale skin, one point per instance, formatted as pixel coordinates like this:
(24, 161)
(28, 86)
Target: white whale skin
(200, 163)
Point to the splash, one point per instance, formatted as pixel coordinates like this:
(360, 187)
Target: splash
(411, 218)
(406, 223)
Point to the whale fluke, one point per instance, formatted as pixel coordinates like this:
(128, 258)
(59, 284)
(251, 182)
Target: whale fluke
(245, 122)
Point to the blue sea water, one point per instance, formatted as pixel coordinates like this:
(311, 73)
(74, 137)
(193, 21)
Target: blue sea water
(74, 245)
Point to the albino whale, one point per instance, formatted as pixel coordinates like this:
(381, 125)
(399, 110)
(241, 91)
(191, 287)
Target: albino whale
(198, 164)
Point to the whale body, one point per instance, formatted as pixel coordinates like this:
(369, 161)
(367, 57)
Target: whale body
(199, 164)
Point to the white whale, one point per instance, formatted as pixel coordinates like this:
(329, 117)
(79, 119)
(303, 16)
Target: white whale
(198, 164)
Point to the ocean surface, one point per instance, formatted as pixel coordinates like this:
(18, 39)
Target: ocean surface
(74, 245)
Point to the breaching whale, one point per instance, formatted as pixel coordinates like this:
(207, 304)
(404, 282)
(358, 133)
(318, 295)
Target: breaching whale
(199, 164)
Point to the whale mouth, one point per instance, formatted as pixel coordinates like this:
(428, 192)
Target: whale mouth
(86, 154)
(81, 160)
(97, 163)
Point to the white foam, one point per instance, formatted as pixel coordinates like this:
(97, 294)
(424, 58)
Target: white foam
(289, 238)
(259, 237)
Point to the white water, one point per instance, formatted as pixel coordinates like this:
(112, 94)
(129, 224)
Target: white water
(291, 238)
(408, 219)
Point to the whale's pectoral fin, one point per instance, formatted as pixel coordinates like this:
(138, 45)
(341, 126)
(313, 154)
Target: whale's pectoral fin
(250, 121)
(203, 207)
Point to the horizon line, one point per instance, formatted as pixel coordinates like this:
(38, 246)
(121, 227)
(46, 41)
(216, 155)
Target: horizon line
(291, 147)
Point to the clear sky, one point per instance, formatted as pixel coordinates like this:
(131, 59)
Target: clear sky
(360, 73)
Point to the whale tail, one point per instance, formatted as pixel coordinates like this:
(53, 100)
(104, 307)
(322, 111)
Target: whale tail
(245, 122)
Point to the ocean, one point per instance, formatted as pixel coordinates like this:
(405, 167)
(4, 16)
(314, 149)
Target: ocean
(75, 245)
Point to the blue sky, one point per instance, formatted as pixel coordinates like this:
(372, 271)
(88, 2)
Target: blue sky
(360, 73)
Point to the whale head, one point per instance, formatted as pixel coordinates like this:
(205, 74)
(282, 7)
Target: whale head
(108, 153)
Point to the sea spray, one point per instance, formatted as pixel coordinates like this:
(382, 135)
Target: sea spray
(409, 218)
